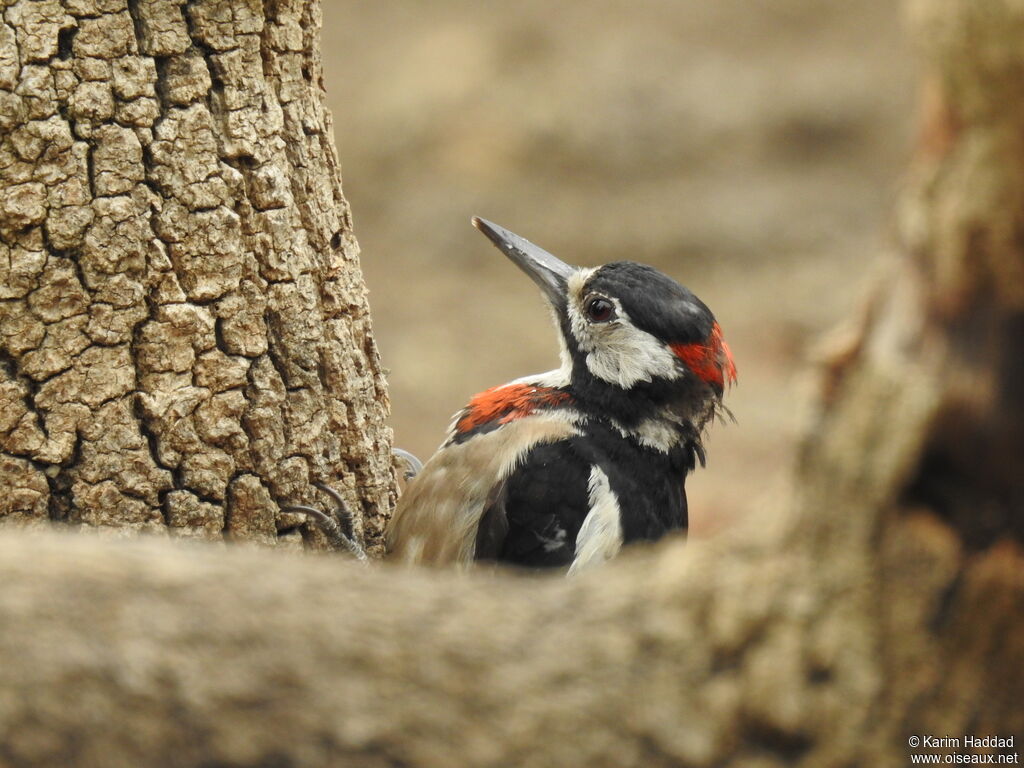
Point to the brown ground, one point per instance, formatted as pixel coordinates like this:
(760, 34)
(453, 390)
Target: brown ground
(751, 149)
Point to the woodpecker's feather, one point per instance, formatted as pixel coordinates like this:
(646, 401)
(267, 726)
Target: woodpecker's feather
(500, 405)
(600, 536)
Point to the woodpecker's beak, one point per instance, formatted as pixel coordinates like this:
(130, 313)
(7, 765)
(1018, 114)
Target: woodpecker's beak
(548, 272)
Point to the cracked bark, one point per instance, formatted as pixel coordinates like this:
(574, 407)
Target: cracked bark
(185, 335)
(883, 600)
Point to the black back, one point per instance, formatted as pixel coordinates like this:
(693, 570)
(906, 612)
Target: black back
(539, 509)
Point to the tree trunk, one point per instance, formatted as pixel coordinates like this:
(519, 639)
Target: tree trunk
(185, 335)
(883, 601)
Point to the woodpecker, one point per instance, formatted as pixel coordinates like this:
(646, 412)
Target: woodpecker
(561, 469)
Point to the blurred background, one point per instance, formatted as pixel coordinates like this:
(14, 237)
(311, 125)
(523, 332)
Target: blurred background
(750, 149)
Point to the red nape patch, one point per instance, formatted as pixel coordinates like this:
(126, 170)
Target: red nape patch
(711, 359)
(508, 403)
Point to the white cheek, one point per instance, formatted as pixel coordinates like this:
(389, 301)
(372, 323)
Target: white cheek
(622, 354)
(625, 355)
(618, 352)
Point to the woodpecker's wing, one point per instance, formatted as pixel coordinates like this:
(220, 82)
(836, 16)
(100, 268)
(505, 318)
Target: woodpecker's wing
(544, 503)
(457, 502)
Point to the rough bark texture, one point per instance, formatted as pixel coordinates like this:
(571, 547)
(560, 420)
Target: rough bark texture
(184, 329)
(885, 600)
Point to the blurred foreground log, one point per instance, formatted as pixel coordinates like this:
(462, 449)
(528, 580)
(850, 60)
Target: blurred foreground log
(886, 603)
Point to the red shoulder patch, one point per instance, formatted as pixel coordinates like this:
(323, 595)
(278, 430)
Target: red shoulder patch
(508, 403)
(711, 360)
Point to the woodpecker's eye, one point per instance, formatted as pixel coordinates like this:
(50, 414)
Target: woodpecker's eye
(600, 310)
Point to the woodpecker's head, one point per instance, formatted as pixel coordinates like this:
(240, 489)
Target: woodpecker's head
(627, 329)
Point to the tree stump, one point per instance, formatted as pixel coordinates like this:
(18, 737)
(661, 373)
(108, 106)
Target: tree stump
(184, 330)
